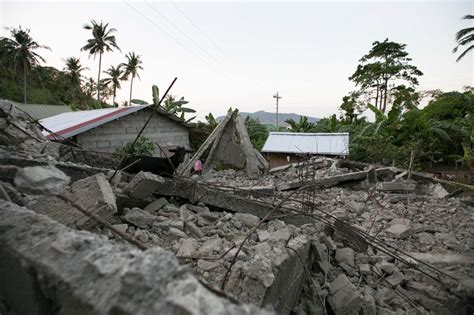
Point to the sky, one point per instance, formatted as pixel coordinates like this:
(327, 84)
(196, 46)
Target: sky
(241, 53)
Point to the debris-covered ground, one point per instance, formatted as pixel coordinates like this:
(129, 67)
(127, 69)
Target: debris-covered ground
(338, 237)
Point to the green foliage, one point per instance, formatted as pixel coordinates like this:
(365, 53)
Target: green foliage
(211, 121)
(19, 54)
(450, 106)
(175, 106)
(143, 146)
(465, 37)
(102, 40)
(383, 71)
(303, 125)
(258, 133)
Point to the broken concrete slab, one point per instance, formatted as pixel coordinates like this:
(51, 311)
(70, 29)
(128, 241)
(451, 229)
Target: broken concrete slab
(47, 180)
(344, 297)
(399, 228)
(92, 193)
(345, 255)
(140, 218)
(156, 205)
(247, 219)
(400, 185)
(188, 248)
(325, 181)
(83, 273)
(194, 191)
(143, 185)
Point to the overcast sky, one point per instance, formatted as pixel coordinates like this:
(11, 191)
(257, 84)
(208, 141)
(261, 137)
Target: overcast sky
(240, 53)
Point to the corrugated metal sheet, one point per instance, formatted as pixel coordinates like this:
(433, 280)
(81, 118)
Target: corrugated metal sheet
(40, 111)
(308, 143)
(67, 125)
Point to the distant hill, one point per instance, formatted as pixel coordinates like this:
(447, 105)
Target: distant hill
(267, 118)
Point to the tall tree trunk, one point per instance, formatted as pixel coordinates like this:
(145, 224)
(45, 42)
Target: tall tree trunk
(131, 87)
(377, 96)
(98, 78)
(24, 82)
(113, 99)
(385, 96)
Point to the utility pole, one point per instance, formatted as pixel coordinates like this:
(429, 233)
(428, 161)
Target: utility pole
(277, 98)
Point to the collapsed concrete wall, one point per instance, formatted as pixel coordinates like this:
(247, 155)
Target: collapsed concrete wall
(47, 268)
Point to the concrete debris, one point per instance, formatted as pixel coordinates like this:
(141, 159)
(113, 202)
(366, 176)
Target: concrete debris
(405, 185)
(140, 218)
(93, 193)
(229, 146)
(81, 273)
(318, 253)
(247, 219)
(47, 180)
(399, 227)
(344, 298)
(345, 255)
(143, 185)
(156, 205)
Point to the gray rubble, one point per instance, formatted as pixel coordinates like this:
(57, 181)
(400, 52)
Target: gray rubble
(329, 260)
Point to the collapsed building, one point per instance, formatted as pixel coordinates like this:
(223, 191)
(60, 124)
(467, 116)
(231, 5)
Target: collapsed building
(323, 236)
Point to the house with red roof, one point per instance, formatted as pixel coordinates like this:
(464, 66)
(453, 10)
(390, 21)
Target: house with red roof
(107, 129)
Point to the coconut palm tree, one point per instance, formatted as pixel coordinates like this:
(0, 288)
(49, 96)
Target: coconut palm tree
(73, 69)
(465, 37)
(115, 76)
(102, 40)
(131, 68)
(20, 50)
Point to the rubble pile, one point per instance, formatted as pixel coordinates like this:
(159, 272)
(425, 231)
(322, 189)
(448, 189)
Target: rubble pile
(363, 240)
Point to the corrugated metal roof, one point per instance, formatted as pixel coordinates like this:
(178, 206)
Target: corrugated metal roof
(308, 143)
(40, 111)
(67, 125)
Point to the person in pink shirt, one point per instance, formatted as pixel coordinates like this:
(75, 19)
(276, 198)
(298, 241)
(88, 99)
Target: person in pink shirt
(198, 167)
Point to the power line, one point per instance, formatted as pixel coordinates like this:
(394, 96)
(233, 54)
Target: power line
(173, 38)
(197, 27)
(180, 31)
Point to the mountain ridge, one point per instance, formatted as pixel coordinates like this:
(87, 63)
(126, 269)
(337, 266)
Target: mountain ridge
(268, 118)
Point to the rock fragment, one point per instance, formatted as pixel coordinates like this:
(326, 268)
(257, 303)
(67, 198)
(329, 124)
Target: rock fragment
(143, 185)
(46, 180)
(140, 218)
(345, 255)
(344, 297)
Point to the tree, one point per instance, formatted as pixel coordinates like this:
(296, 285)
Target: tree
(211, 121)
(73, 71)
(20, 51)
(102, 40)
(131, 68)
(303, 125)
(258, 133)
(115, 76)
(175, 106)
(465, 37)
(381, 71)
(351, 107)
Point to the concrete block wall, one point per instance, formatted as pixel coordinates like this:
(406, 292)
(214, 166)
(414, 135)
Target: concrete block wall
(115, 134)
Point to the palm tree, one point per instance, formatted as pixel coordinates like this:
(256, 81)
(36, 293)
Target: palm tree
(115, 76)
(102, 40)
(73, 70)
(465, 37)
(131, 68)
(20, 51)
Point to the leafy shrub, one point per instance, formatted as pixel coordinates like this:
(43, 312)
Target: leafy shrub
(144, 146)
